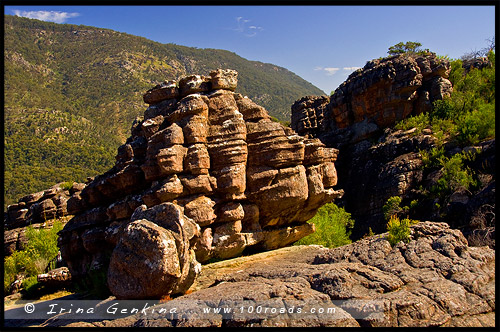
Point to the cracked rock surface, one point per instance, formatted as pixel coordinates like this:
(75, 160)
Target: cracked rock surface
(434, 280)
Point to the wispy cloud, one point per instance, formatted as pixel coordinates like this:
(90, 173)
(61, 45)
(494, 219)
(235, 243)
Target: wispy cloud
(351, 68)
(329, 70)
(44, 15)
(248, 31)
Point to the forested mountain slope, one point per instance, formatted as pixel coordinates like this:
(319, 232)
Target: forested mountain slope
(71, 93)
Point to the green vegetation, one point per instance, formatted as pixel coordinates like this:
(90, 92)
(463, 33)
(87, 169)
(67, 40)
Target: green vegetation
(370, 233)
(333, 227)
(283, 123)
(392, 207)
(455, 176)
(40, 249)
(398, 228)
(468, 115)
(72, 92)
(465, 118)
(407, 48)
(67, 185)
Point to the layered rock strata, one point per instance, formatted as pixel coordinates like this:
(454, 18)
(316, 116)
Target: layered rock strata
(205, 174)
(40, 206)
(383, 92)
(378, 162)
(37, 209)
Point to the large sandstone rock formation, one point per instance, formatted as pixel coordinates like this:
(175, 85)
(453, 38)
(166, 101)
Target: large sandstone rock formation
(205, 174)
(378, 162)
(383, 92)
(434, 280)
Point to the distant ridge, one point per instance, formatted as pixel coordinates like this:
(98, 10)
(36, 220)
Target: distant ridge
(72, 91)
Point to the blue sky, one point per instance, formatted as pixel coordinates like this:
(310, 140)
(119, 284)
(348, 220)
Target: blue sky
(322, 44)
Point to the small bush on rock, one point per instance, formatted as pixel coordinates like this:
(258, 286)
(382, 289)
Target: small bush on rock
(333, 227)
(399, 230)
(455, 175)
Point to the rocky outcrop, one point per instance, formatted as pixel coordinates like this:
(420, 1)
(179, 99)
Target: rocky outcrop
(205, 174)
(371, 173)
(41, 206)
(434, 280)
(478, 63)
(55, 279)
(378, 162)
(39, 210)
(383, 92)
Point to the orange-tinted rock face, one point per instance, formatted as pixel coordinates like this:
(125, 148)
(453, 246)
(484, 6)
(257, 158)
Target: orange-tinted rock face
(375, 97)
(235, 178)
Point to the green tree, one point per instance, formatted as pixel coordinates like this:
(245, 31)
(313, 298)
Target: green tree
(408, 47)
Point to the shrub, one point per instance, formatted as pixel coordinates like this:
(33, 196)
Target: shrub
(477, 125)
(431, 158)
(408, 47)
(420, 122)
(443, 109)
(30, 287)
(333, 227)
(40, 249)
(67, 185)
(455, 175)
(369, 234)
(399, 230)
(392, 207)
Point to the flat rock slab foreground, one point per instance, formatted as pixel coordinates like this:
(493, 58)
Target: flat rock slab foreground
(434, 280)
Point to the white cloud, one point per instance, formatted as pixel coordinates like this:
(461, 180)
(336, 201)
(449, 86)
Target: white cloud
(351, 68)
(44, 15)
(329, 70)
(249, 31)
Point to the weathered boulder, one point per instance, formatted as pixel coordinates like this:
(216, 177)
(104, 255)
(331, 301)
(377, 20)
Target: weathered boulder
(151, 261)
(383, 92)
(435, 279)
(237, 180)
(56, 278)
